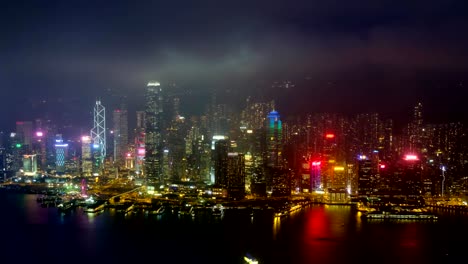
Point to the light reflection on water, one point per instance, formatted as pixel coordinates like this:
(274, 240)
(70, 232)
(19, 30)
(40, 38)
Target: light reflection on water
(317, 234)
(276, 226)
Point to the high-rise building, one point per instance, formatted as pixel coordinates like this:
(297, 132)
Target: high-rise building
(98, 135)
(39, 148)
(61, 153)
(235, 176)
(153, 130)
(30, 165)
(274, 139)
(409, 170)
(24, 131)
(366, 174)
(86, 156)
(140, 142)
(120, 121)
(220, 157)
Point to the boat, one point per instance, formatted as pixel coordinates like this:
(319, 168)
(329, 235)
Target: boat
(217, 210)
(66, 206)
(399, 215)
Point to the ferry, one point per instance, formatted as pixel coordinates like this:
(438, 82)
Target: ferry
(66, 206)
(399, 215)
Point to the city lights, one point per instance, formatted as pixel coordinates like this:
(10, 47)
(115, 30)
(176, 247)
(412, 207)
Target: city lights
(338, 168)
(362, 157)
(411, 157)
(316, 163)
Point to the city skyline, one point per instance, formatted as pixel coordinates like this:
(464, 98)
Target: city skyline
(310, 57)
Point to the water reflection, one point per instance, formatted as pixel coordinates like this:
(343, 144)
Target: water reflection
(276, 226)
(35, 214)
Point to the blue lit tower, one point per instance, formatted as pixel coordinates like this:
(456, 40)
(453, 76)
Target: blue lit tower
(153, 129)
(61, 152)
(274, 139)
(98, 135)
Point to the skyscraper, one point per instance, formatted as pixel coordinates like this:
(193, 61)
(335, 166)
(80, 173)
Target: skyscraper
(140, 142)
(235, 177)
(274, 139)
(98, 135)
(61, 152)
(120, 122)
(24, 131)
(86, 157)
(220, 156)
(153, 129)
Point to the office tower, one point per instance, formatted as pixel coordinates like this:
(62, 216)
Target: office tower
(366, 175)
(409, 179)
(415, 131)
(140, 142)
(39, 148)
(24, 131)
(153, 130)
(220, 156)
(30, 165)
(98, 136)
(274, 139)
(120, 128)
(316, 183)
(235, 175)
(17, 150)
(86, 156)
(61, 153)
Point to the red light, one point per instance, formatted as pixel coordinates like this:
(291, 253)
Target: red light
(382, 166)
(330, 136)
(411, 157)
(129, 155)
(316, 163)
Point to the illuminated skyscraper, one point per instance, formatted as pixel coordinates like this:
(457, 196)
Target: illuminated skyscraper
(235, 177)
(39, 148)
(274, 139)
(86, 156)
(98, 135)
(24, 132)
(220, 157)
(140, 142)
(366, 175)
(30, 165)
(153, 129)
(61, 152)
(120, 120)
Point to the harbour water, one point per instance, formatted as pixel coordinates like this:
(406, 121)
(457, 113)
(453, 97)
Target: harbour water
(315, 234)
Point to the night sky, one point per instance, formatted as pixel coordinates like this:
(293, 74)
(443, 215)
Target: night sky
(341, 56)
